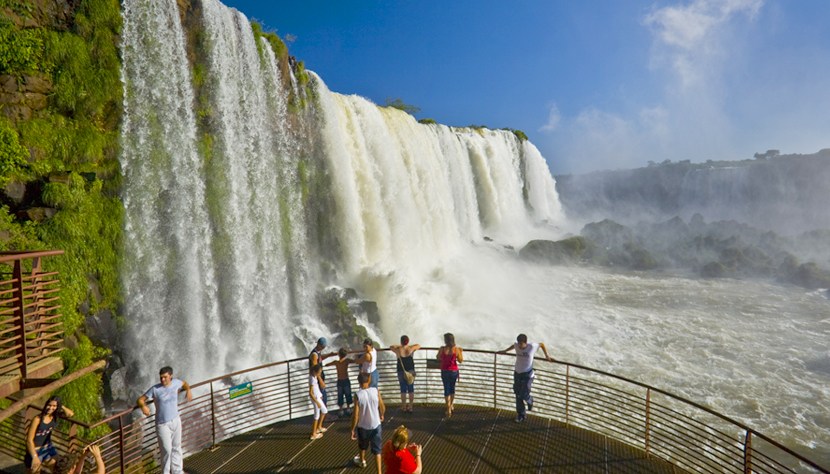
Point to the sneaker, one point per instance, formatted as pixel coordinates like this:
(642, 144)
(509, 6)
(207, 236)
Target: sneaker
(520, 419)
(358, 462)
(317, 436)
(322, 429)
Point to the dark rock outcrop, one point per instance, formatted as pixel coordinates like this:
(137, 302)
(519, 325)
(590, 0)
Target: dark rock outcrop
(339, 308)
(560, 252)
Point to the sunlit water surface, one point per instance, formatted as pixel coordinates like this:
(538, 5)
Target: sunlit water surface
(754, 351)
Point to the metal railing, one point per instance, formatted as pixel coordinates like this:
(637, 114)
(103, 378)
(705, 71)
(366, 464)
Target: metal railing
(665, 426)
(30, 324)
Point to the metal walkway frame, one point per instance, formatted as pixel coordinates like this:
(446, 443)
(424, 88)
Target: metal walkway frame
(664, 427)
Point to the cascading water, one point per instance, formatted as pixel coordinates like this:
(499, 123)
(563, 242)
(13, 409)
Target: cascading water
(169, 282)
(219, 270)
(205, 263)
(409, 196)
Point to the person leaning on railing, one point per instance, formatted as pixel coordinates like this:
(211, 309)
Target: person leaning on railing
(523, 372)
(406, 371)
(368, 361)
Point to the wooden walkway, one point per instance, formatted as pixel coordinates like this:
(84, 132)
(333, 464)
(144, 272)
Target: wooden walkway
(474, 440)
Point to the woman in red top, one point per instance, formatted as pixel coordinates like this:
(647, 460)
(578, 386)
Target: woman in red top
(450, 356)
(397, 454)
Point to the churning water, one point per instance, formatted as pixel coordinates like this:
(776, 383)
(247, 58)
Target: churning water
(756, 352)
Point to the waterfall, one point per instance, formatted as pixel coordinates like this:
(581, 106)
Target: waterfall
(205, 262)
(168, 276)
(220, 273)
(413, 198)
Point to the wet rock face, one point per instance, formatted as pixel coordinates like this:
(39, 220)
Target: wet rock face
(53, 14)
(339, 309)
(22, 97)
(560, 252)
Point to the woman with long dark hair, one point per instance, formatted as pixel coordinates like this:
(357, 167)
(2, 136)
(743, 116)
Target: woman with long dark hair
(39, 449)
(449, 355)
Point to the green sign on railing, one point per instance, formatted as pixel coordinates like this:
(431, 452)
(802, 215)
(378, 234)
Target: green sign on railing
(237, 391)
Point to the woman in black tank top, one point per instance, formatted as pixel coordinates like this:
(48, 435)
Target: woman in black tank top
(406, 363)
(39, 448)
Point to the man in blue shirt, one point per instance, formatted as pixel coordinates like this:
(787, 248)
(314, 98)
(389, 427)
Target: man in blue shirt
(165, 397)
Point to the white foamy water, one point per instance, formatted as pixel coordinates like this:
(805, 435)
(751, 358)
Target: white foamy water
(756, 352)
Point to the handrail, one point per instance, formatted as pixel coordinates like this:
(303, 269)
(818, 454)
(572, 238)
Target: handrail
(693, 404)
(660, 423)
(564, 393)
(9, 256)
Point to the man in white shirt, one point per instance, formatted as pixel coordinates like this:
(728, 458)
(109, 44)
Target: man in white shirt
(165, 396)
(523, 372)
(367, 420)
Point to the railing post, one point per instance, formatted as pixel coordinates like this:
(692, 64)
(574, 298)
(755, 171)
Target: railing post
(648, 420)
(748, 453)
(212, 418)
(495, 400)
(121, 444)
(20, 316)
(567, 391)
(288, 374)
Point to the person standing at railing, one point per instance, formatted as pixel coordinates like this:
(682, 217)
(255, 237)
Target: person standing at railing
(165, 397)
(315, 387)
(405, 366)
(523, 372)
(344, 385)
(449, 356)
(369, 362)
(316, 357)
(39, 449)
(367, 421)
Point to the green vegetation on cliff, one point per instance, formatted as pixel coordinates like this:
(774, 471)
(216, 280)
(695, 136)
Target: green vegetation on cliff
(61, 90)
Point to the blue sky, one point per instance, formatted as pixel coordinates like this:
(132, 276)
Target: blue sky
(599, 84)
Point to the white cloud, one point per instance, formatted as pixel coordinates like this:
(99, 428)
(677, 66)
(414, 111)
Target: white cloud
(689, 37)
(690, 118)
(554, 118)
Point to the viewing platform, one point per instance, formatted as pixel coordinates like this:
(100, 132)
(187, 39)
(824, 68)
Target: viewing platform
(258, 420)
(583, 420)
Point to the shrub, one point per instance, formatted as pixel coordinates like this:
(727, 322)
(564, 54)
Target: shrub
(12, 154)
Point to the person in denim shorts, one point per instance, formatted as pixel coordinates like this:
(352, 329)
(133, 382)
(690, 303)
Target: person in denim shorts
(367, 420)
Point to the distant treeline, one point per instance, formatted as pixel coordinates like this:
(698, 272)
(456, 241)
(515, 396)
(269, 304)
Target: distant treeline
(784, 193)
